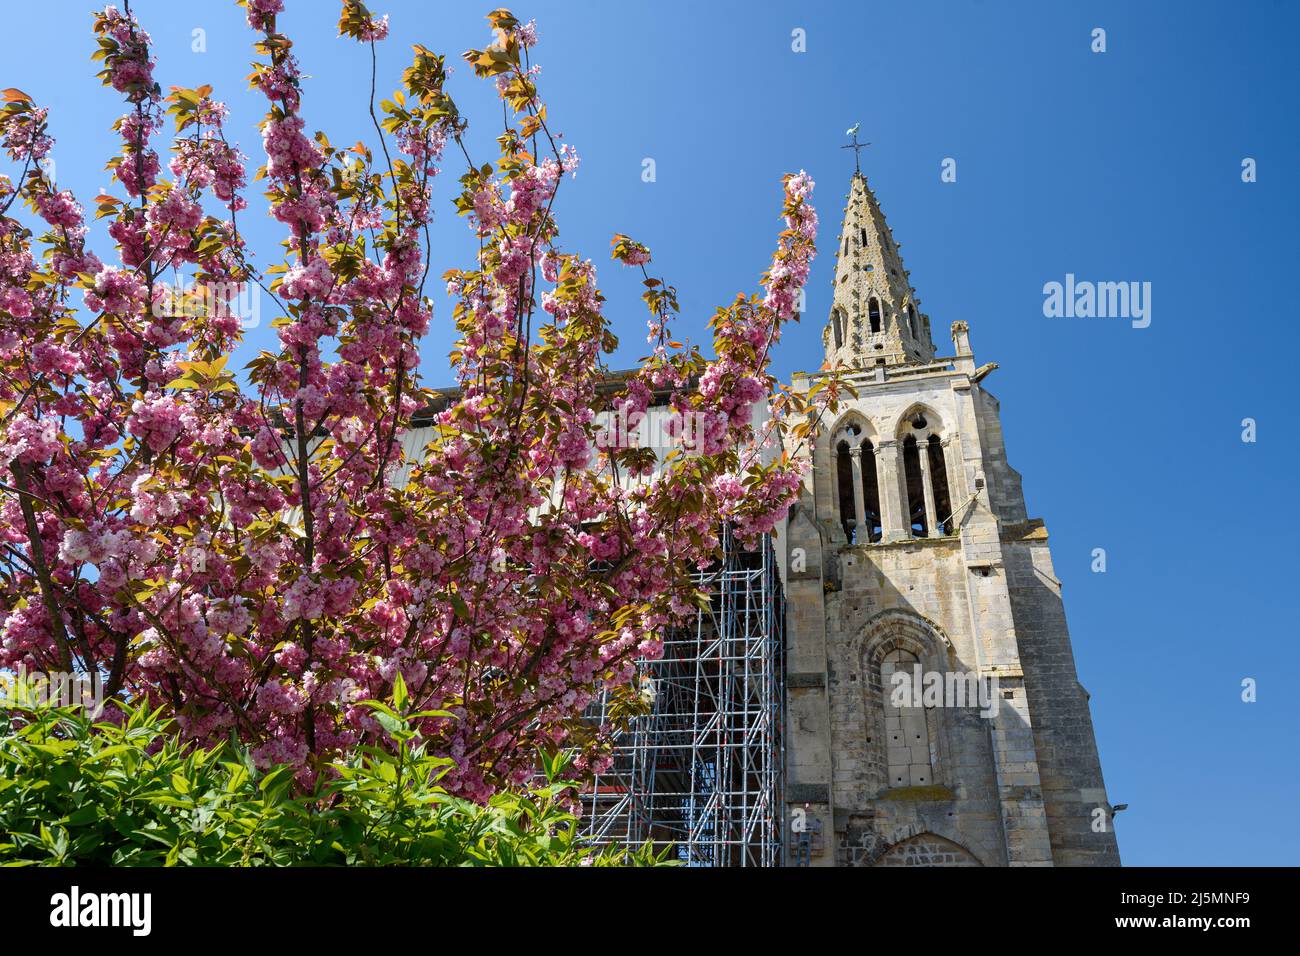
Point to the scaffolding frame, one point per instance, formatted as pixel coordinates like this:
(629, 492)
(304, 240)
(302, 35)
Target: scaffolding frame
(703, 770)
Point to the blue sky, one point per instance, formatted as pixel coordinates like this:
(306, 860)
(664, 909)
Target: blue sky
(1118, 166)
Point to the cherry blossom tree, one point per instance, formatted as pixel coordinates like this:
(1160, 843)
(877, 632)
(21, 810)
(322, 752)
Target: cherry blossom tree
(253, 551)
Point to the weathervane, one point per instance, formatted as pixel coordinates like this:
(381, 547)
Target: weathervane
(855, 146)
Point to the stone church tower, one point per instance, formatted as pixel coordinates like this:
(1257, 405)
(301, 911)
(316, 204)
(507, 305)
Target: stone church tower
(911, 554)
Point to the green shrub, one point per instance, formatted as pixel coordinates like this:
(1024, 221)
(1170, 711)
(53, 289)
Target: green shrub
(75, 792)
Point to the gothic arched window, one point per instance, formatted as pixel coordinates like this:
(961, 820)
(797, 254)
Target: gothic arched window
(844, 479)
(939, 482)
(857, 486)
(864, 237)
(874, 523)
(873, 313)
(908, 751)
(837, 325)
(911, 320)
(925, 475)
(915, 482)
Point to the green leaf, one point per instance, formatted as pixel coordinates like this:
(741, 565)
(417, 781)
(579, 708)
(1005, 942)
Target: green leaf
(399, 692)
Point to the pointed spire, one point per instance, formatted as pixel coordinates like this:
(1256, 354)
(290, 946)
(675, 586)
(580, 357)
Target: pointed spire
(875, 315)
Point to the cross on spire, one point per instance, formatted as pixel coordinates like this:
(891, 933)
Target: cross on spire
(856, 147)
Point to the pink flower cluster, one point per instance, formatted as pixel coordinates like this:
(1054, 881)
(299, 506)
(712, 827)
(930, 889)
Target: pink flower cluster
(287, 148)
(261, 13)
(376, 29)
(155, 420)
(304, 281)
(177, 211)
(116, 290)
(23, 135)
(94, 546)
(59, 209)
(207, 161)
(137, 168)
(128, 63)
(29, 441)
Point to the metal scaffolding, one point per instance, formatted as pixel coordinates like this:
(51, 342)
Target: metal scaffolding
(703, 770)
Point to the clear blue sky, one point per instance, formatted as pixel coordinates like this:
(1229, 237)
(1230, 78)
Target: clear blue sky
(1117, 166)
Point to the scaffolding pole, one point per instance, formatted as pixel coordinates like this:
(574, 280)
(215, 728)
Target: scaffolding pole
(702, 770)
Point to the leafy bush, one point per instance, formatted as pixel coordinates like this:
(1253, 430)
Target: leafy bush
(77, 792)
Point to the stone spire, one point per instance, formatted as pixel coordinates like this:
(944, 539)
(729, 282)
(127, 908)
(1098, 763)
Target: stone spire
(875, 316)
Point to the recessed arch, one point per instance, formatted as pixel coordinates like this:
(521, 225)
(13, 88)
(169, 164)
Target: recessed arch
(924, 474)
(853, 418)
(901, 735)
(927, 849)
(919, 412)
(903, 628)
(855, 478)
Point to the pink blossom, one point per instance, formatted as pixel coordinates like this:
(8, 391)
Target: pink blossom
(177, 211)
(261, 13)
(313, 279)
(60, 209)
(29, 441)
(156, 420)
